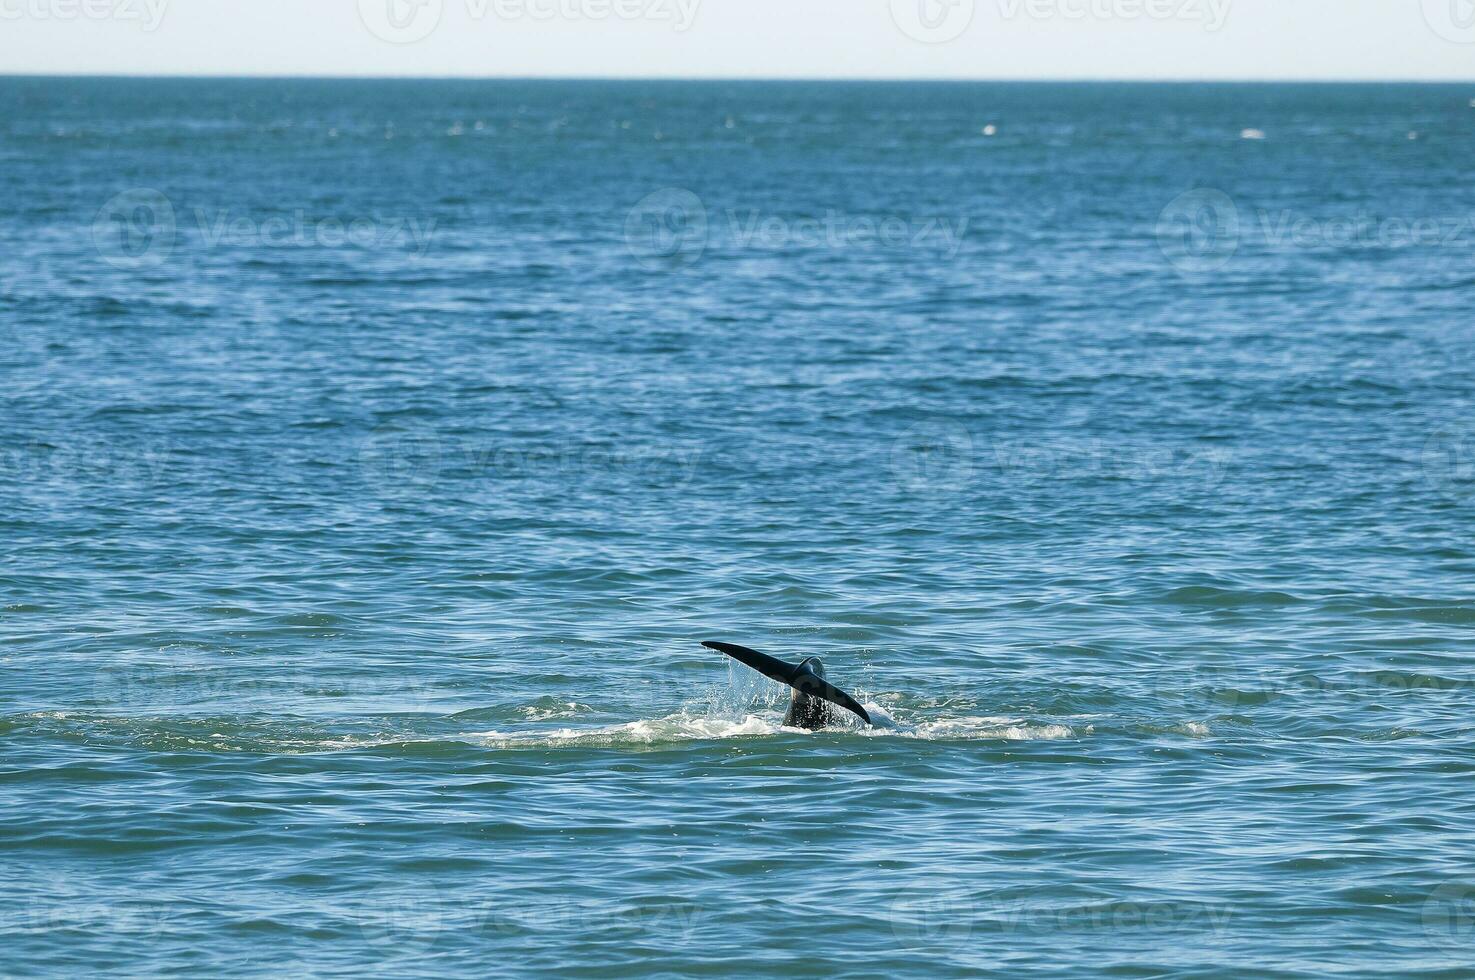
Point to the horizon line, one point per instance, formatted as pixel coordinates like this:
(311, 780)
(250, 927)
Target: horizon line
(843, 79)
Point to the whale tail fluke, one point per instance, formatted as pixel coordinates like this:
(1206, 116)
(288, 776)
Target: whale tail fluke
(801, 677)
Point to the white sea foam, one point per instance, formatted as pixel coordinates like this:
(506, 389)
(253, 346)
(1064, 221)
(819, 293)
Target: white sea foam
(549, 710)
(687, 726)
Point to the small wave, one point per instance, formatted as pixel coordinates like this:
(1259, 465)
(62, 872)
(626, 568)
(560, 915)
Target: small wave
(1454, 614)
(1217, 598)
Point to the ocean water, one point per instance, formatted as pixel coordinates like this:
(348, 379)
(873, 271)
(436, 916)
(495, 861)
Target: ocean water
(375, 455)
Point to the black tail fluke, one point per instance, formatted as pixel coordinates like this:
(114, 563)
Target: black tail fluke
(803, 681)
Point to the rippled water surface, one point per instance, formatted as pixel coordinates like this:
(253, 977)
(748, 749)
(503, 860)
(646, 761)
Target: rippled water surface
(374, 457)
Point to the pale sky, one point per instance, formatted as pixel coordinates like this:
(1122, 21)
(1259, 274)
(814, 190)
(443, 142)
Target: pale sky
(1005, 39)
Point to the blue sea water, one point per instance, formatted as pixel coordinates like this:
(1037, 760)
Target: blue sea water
(375, 455)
